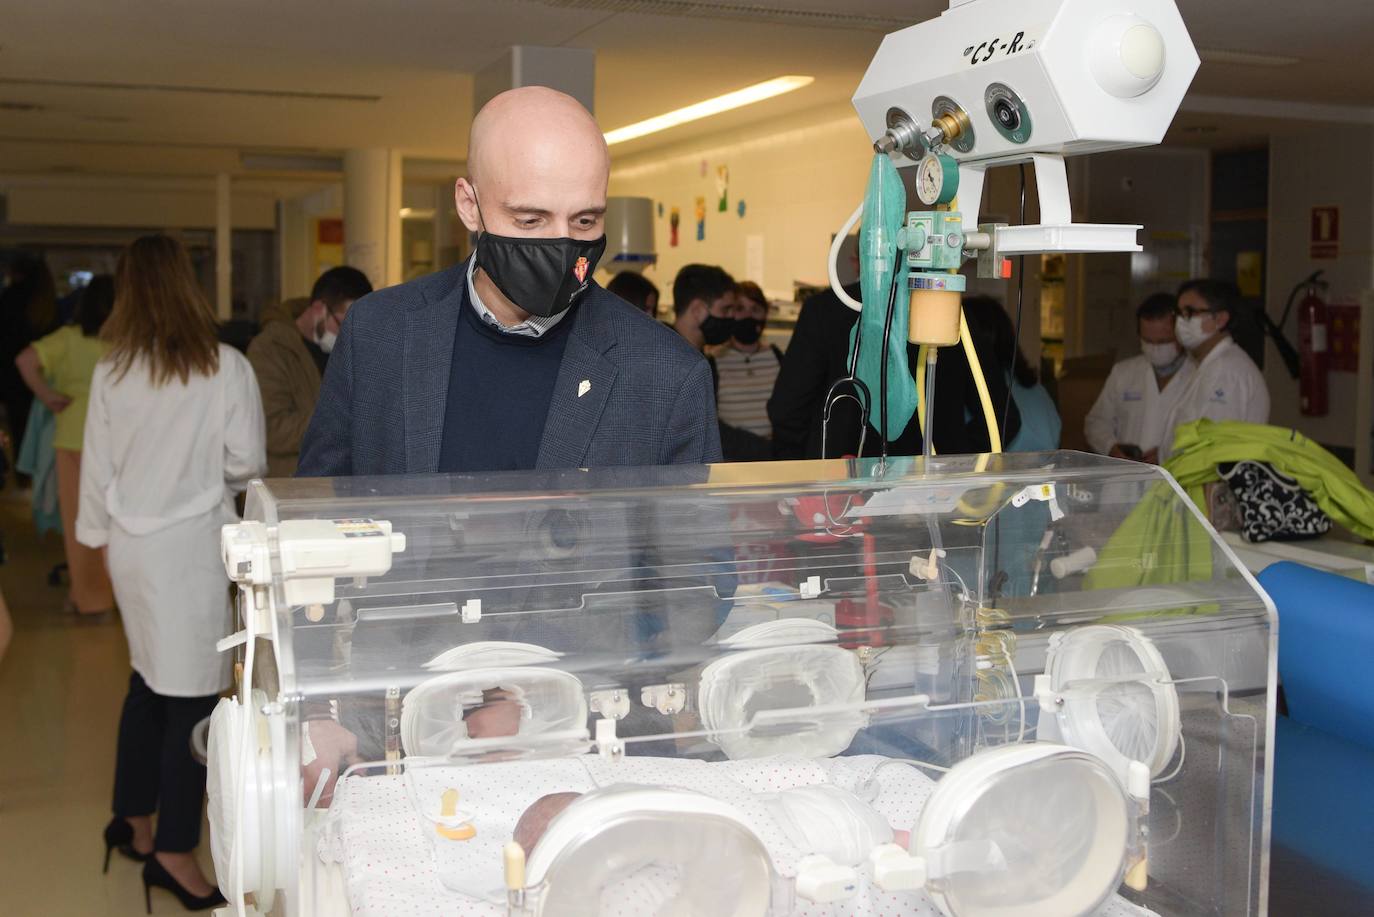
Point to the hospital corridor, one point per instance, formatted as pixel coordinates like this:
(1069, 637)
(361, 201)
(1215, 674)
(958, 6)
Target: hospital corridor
(72, 672)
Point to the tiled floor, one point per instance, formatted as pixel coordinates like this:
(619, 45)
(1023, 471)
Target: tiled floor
(61, 687)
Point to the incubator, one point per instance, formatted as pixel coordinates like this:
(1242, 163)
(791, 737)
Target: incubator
(1013, 684)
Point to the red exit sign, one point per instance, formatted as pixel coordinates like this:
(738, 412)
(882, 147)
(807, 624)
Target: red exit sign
(1326, 232)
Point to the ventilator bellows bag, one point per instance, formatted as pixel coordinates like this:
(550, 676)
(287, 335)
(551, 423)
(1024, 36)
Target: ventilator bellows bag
(883, 214)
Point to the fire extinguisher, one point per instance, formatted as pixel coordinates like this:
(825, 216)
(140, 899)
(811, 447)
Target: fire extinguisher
(1312, 346)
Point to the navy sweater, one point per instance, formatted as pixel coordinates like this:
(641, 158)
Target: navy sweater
(500, 386)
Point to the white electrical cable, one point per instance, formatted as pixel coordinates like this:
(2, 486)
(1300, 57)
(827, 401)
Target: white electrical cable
(245, 755)
(840, 236)
(319, 789)
(1182, 754)
(1016, 680)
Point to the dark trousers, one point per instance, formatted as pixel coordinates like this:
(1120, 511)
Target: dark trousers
(154, 770)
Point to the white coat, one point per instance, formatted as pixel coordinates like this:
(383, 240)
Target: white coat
(159, 471)
(1131, 408)
(1227, 386)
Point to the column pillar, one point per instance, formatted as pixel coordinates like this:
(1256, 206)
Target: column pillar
(224, 261)
(570, 70)
(372, 214)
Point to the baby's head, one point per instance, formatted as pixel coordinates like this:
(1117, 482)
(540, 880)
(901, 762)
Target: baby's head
(535, 820)
(498, 715)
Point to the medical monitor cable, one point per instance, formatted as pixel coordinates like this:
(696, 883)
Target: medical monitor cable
(1020, 295)
(835, 245)
(245, 755)
(884, 433)
(832, 397)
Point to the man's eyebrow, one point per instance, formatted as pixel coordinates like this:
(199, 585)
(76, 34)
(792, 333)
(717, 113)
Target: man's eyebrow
(527, 208)
(533, 210)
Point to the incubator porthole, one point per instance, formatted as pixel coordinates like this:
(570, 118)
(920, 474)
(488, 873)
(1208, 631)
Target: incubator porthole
(1008, 113)
(1120, 702)
(1025, 830)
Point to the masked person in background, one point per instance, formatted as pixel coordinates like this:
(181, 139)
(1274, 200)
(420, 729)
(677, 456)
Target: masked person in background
(637, 290)
(289, 356)
(704, 307)
(1127, 420)
(747, 366)
(1227, 385)
(517, 358)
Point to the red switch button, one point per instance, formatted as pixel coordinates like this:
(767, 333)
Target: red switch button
(1006, 269)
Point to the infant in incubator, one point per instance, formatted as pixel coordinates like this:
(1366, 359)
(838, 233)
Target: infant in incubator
(813, 834)
(646, 836)
(815, 820)
(840, 809)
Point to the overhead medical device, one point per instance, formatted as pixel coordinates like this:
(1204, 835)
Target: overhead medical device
(746, 690)
(993, 83)
(629, 234)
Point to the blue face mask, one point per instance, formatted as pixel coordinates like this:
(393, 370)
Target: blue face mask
(1165, 358)
(1191, 333)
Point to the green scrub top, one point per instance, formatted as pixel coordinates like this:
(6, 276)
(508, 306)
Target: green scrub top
(68, 358)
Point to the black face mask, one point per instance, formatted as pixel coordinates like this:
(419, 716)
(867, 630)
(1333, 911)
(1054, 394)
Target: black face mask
(748, 330)
(542, 276)
(716, 330)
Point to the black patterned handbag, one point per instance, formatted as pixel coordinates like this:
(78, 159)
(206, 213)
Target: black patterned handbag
(1273, 507)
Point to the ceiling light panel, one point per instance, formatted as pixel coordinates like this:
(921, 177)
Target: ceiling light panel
(705, 109)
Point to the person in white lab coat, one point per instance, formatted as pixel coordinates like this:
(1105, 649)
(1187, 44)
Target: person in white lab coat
(1127, 420)
(174, 429)
(1227, 385)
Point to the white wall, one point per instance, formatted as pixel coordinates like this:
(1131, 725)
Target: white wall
(294, 235)
(1305, 172)
(1166, 190)
(800, 177)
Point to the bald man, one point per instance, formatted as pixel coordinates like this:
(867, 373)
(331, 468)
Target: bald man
(516, 358)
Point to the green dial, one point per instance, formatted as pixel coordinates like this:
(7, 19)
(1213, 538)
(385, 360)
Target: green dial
(937, 179)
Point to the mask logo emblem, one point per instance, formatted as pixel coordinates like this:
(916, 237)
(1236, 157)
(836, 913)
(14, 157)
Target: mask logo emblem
(580, 269)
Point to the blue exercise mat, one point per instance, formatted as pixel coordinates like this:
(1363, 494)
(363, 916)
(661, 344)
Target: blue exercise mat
(1326, 649)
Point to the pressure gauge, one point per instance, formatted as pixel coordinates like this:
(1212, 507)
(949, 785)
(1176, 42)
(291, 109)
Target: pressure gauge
(937, 179)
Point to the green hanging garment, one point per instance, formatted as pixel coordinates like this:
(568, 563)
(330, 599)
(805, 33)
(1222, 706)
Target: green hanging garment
(1201, 446)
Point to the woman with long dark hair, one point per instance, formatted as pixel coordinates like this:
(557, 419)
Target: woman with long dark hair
(174, 430)
(28, 310)
(58, 369)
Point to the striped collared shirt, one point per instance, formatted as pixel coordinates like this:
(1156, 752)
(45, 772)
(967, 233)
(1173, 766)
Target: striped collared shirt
(746, 382)
(532, 327)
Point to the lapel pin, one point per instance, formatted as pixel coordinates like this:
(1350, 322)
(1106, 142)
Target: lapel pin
(584, 387)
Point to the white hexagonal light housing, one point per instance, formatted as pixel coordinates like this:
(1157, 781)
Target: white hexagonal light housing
(1092, 75)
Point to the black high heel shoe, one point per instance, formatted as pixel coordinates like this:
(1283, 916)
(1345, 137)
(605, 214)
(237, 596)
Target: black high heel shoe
(119, 835)
(155, 875)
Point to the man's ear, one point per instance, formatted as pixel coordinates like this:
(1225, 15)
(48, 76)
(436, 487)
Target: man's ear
(1223, 320)
(465, 200)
